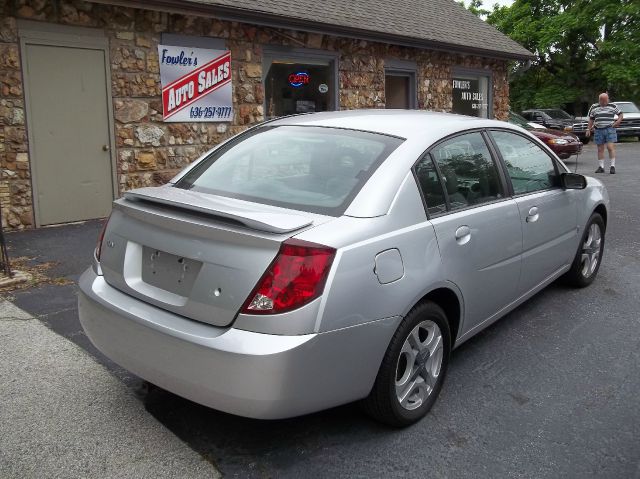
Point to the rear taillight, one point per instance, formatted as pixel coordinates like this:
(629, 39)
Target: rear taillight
(101, 238)
(295, 277)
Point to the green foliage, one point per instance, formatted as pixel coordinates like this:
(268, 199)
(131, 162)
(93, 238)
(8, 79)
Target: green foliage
(582, 47)
(475, 7)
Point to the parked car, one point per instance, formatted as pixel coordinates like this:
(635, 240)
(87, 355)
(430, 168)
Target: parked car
(320, 259)
(563, 144)
(630, 124)
(580, 125)
(557, 119)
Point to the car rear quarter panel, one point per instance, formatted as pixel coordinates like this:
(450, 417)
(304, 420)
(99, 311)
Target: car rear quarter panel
(354, 293)
(381, 191)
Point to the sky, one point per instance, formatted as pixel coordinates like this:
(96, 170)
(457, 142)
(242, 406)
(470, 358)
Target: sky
(489, 3)
(501, 2)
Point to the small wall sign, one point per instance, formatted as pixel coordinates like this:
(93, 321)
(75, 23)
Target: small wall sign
(296, 80)
(470, 96)
(323, 88)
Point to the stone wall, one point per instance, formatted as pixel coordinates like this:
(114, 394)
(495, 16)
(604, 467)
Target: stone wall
(15, 180)
(149, 152)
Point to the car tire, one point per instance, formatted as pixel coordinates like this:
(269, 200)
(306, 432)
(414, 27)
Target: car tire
(408, 371)
(586, 263)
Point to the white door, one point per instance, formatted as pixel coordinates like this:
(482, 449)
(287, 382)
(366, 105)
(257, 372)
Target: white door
(68, 120)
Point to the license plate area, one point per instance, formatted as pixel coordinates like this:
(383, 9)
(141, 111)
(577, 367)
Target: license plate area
(170, 272)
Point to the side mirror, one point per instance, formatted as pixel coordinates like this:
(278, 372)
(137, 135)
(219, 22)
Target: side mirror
(573, 181)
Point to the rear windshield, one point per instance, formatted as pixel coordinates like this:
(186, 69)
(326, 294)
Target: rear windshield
(308, 168)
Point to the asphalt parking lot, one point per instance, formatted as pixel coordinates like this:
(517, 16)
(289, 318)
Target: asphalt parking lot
(551, 390)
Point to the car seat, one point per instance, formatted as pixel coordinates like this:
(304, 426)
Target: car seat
(456, 199)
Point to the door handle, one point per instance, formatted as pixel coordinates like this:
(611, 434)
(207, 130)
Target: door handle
(463, 235)
(105, 147)
(533, 215)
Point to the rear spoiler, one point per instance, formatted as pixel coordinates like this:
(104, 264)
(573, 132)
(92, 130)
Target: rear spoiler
(251, 215)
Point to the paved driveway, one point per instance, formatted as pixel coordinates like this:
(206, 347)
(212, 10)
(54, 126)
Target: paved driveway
(551, 390)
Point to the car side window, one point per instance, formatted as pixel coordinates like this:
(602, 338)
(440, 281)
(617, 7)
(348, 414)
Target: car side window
(429, 183)
(468, 171)
(530, 167)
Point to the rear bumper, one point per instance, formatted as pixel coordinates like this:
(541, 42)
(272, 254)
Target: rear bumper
(241, 372)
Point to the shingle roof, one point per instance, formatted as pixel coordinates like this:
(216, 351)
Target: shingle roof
(428, 23)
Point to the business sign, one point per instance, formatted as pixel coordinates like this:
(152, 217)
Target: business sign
(470, 96)
(196, 84)
(296, 80)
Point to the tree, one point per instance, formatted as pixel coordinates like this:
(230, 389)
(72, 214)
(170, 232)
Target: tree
(475, 7)
(581, 47)
(619, 51)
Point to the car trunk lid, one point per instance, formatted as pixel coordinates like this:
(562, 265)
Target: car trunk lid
(194, 254)
(252, 215)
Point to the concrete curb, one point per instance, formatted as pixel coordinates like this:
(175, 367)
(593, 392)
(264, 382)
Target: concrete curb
(62, 415)
(17, 278)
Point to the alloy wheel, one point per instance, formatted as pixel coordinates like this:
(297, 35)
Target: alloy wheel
(590, 256)
(419, 365)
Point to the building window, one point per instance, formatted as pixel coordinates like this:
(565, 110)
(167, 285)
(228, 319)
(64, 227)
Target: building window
(400, 84)
(471, 94)
(299, 82)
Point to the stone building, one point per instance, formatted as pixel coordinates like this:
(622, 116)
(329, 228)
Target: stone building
(81, 99)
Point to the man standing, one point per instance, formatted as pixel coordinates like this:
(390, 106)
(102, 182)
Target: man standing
(602, 116)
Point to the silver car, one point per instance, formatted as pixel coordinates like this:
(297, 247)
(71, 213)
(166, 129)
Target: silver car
(320, 259)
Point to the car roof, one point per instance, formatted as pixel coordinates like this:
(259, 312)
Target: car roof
(543, 109)
(421, 125)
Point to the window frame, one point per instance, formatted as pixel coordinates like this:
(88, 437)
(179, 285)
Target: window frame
(192, 41)
(504, 181)
(404, 69)
(414, 171)
(299, 54)
(503, 163)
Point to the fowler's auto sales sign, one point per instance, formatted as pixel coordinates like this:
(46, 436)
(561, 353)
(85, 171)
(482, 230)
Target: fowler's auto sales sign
(196, 84)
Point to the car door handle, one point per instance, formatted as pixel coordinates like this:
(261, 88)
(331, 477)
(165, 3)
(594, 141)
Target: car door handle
(533, 215)
(463, 235)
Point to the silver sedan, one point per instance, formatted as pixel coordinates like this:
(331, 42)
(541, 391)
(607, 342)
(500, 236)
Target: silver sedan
(321, 259)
